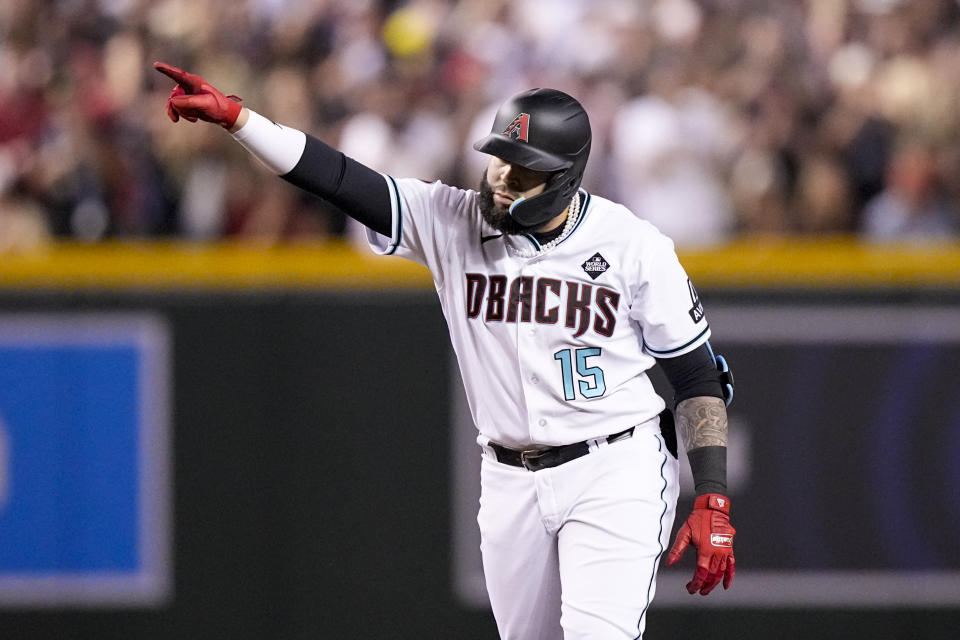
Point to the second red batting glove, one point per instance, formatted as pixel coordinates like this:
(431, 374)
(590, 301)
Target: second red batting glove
(194, 98)
(708, 528)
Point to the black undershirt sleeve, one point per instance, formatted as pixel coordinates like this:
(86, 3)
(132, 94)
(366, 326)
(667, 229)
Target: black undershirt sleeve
(358, 190)
(692, 375)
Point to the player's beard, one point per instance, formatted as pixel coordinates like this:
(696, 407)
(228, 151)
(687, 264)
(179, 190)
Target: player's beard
(497, 216)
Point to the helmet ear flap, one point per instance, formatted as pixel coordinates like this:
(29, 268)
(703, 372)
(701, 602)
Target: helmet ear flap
(564, 181)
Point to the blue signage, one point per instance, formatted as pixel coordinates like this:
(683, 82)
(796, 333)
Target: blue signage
(84, 490)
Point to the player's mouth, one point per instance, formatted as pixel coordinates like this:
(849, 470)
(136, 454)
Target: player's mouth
(502, 199)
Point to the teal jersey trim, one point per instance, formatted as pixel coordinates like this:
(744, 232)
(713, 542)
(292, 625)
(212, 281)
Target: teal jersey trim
(398, 218)
(584, 210)
(680, 348)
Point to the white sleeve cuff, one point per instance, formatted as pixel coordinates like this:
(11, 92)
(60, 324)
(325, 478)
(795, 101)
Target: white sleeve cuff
(278, 147)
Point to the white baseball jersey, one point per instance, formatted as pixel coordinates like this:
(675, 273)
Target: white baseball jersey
(554, 348)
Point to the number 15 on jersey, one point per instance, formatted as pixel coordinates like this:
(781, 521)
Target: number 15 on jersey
(589, 378)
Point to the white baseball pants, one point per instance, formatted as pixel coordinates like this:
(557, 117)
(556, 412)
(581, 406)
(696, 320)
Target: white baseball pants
(572, 551)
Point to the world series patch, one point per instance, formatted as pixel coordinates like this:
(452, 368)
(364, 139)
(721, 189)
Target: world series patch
(595, 266)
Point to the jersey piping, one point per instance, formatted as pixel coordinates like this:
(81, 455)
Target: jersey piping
(584, 210)
(396, 206)
(583, 214)
(656, 562)
(679, 351)
(533, 241)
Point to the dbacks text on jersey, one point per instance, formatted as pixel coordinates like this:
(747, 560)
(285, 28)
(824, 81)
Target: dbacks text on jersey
(579, 306)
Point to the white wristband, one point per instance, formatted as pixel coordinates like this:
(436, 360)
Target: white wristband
(276, 146)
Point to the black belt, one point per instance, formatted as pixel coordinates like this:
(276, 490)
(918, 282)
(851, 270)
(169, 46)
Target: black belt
(536, 459)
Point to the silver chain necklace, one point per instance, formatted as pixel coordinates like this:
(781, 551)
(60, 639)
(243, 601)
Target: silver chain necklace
(573, 214)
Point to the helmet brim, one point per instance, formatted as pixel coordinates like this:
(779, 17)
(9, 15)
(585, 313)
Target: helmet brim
(508, 149)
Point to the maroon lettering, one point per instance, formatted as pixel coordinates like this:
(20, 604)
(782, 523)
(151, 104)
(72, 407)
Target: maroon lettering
(578, 307)
(542, 315)
(541, 300)
(476, 285)
(605, 321)
(521, 294)
(498, 288)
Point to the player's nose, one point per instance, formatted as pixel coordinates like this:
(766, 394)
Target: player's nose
(510, 176)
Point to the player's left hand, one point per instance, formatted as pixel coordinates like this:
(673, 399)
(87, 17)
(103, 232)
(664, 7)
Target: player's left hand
(194, 98)
(708, 528)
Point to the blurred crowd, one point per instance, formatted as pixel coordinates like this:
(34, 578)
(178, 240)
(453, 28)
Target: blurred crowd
(714, 119)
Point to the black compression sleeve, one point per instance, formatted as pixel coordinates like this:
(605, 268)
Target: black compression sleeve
(693, 374)
(357, 189)
(709, 468)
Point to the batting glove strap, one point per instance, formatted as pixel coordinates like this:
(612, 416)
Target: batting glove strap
(714, 501)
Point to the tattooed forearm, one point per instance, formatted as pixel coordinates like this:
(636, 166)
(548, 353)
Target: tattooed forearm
(702, 422)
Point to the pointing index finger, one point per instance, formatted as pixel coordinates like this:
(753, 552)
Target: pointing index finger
(179, 76)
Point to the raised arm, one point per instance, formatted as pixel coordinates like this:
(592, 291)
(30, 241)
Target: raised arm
(295, 156)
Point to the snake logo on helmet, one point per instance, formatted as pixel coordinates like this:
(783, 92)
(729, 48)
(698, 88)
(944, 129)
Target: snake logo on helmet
(542, 130)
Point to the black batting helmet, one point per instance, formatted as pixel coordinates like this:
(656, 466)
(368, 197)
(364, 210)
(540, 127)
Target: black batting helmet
(543, 130)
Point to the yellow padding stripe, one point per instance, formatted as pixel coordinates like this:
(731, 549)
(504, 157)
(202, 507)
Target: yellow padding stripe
(835, 262)
(831, 262)
(170, 266)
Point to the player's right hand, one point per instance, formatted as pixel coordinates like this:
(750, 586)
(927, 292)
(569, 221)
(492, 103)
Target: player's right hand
(194, 98)
(709, 530)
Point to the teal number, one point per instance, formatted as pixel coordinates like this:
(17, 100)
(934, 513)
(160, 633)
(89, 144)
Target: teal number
(597, 387)
(566, 368)
(591, 382)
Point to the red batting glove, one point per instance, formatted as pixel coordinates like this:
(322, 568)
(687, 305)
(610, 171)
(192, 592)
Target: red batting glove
(194, 98)
(708, 528)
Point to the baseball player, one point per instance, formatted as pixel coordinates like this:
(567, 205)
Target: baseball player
(558, 302)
